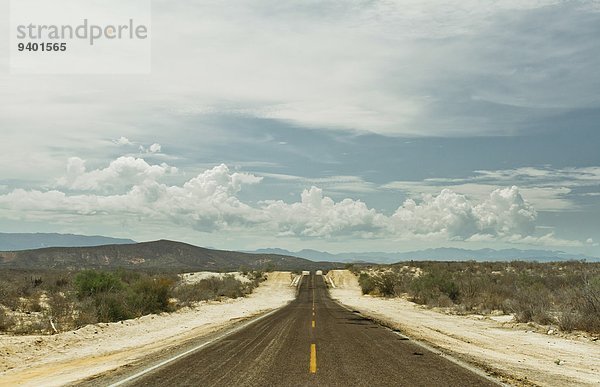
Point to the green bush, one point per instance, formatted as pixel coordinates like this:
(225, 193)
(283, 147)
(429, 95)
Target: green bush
(531, 303)
(90, 283)
(86, 313)
(75, 299)
(215, 287)
(149, 295)
(386, 283)
(111, 307)
(367, 284)
(586, 306)
(124, 294)
(428, 288)
(6, 321)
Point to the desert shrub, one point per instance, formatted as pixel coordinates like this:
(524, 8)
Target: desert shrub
(188, 294)
(226, 286)
(244, 270)
(591, 296)
(531, 303)
(471, 289)
(214, 287)
(90, 282)
(586, 305)
(367, 284)
(123, 294)
(149, 295)
(443, 300)
(128, 276)
(428, 288)
(6, 293)
(567, 320)
(86, 313)
(386, 283)
(256, 277)
(61, 282)
(75, 299)
(34, 306)
(62, 310)
(24, 326)
(36, 281)
(111, 307)
(562, 293)
(6, 321)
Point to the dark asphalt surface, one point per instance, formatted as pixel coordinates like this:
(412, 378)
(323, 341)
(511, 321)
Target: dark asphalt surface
(276, 351)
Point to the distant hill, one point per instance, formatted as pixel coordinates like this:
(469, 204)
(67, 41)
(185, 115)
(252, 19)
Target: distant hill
(438, 254)
(27, 241)
(163, 255)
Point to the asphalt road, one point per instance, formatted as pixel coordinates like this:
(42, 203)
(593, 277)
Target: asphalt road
(312, 342)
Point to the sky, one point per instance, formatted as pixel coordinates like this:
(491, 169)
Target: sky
(331, 125)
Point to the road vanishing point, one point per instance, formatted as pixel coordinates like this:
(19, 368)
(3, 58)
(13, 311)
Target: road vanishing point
(313, 341)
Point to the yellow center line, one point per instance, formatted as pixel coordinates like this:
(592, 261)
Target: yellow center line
(313, 323)
(313, 358)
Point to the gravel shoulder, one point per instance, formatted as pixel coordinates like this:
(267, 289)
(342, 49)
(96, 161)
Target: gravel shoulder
(71, 356)
(519, 356)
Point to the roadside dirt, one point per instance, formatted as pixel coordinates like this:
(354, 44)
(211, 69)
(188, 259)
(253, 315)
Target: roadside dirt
(520, 356)
(75, 355)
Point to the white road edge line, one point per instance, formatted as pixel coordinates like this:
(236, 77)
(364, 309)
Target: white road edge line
(165, 362)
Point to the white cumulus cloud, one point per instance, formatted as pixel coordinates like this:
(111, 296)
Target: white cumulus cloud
(154, 148)
(122, 172)
(453, 215)
(122, 141)
(317, 215)
(132, 188)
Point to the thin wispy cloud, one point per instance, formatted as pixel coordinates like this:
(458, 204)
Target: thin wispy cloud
(548, 188)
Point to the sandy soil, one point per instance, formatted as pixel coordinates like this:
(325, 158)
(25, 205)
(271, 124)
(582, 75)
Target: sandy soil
(522, 357)
(195, 277)
(71, 356)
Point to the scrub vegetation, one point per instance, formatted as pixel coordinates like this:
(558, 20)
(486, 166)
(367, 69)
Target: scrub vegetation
(39, 302)
(565, 294)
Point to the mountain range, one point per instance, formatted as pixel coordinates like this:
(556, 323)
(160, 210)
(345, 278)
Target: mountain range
(28, 241)
(437, 254)
(79, 251)
(159, 255)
